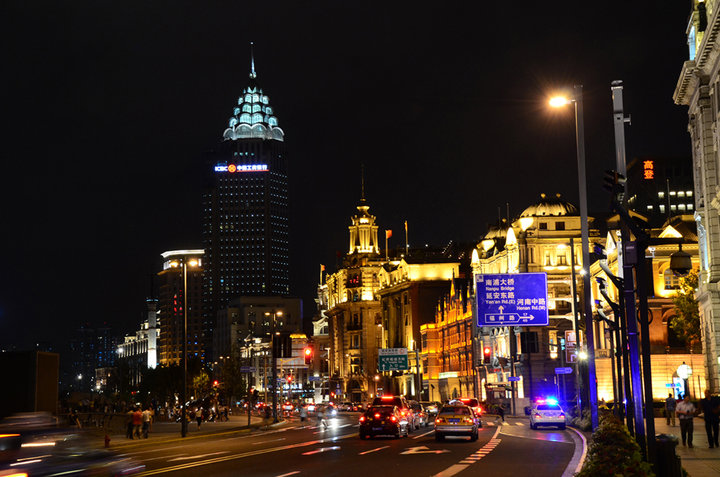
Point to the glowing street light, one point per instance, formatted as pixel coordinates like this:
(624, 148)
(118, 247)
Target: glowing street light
(192, 263)
(560, 101)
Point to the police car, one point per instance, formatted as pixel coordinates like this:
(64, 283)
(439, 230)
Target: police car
(547, 412)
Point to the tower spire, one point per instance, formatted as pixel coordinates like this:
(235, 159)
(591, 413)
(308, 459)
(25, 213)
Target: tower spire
(252, 61)
(362, 183)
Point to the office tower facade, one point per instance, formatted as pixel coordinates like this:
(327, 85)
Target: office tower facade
(171, 302)
(245, 226)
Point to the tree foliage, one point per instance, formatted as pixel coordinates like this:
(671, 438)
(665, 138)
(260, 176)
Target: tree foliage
(686, 322)
(613, 452)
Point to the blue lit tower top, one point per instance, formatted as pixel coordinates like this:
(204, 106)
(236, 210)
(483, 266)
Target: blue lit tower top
(253, 117)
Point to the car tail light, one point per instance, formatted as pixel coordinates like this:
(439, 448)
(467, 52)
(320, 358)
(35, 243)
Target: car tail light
(393, 418)
(377, 415)
(467, 419)
(439, 420)
(537, 416)
(362, 418)
(562, 414)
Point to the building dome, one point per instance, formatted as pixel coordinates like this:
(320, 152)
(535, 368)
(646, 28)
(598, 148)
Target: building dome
(547, 206)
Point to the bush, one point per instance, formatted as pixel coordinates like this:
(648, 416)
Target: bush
(613, 452)
(583, 422)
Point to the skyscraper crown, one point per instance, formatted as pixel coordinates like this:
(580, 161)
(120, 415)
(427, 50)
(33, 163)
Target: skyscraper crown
(253, 117)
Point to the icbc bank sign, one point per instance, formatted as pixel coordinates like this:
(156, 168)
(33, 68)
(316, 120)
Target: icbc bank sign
(233, 168)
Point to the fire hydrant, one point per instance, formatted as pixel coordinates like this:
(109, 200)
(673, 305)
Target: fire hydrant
(107, 440)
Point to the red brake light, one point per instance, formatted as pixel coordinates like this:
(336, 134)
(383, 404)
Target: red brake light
(362, 418)
(386, 398)
(393, 418)
(537, 415)
(377, 415)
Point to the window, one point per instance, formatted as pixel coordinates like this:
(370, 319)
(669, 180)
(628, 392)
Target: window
(671, 281)
(542, 226)
(562, 259)
(559, 225)
(528, 342)
(548, 259)
(355, 342)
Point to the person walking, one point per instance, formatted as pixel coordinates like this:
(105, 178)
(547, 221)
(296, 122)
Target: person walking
(501, 411)
(137, 420)
(129, 425)
(710, 406)
(670, 404)
(147, 419)
(685, 411)
(303, 413)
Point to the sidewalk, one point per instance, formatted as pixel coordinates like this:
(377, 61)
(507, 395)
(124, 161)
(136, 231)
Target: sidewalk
(168, 431)
(700, 461)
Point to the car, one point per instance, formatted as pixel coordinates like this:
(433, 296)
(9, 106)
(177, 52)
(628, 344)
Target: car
(471, 402)
(431, 407)
(401, 403)
(456, 420)
(547, 412)
(420, 414)
(383, 420)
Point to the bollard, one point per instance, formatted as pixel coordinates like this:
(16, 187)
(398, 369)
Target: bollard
(667, 462)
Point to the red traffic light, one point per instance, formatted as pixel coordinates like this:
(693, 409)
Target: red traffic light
(308, 351)
(487, 351)
(289, 379)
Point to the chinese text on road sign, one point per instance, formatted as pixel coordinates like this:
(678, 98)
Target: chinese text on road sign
(516, 299)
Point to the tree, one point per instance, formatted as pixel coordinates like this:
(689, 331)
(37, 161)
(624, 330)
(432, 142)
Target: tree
(686, 322)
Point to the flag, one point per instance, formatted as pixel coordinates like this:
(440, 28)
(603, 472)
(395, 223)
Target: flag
(388, 234)
(406, 226)
(322, 267)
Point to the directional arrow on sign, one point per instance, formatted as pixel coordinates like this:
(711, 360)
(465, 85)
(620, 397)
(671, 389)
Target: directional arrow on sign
(501, 308)
(424, 450)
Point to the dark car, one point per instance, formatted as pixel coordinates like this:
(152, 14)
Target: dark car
(383, 420)
(401, 403)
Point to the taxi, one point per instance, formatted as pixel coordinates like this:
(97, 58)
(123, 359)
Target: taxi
(473, 403)
(547, 412)
(456, 420)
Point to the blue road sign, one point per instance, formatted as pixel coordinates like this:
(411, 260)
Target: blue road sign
(512, 299)
(563, 370)
(514, 378)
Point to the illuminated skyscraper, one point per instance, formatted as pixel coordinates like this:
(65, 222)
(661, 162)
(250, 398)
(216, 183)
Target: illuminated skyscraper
(245, 229)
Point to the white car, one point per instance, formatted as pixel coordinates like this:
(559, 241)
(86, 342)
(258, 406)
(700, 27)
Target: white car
(547, 412)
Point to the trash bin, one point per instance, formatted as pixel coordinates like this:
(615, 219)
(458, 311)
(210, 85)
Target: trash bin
(667, 462)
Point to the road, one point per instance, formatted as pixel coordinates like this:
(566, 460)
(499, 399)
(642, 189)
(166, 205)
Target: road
(509, 448)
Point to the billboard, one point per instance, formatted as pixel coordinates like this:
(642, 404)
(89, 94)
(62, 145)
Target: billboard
(512, 299)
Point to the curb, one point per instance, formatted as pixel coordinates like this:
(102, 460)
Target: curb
(578, 458)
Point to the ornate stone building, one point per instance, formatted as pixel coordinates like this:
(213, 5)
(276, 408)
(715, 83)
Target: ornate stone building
(699, 88)
(354, 312)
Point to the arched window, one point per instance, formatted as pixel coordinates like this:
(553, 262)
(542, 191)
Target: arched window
(257, 118)
(247, 108)
(256, 108)
(272, 121)
(248, 98)
(245, 118)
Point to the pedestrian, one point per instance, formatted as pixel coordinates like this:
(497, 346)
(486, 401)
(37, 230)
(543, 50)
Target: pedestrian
(147, 419)
(226, 411)
(266, 419)
(199, 417)
(137, 420)
(129, 425)
(320, 412)
(685, 411)
(303, 413)
(670, 404)
(501, 411)
(711, 414)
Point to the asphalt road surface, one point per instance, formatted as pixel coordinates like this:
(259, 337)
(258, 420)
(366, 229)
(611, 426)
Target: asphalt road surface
(503, 449)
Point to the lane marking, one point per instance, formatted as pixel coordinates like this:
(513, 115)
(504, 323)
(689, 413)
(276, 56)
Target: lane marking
(226, 458)
(452, 470)
(199, 456)
(423, 450)
(322, 449)
(271, 440)
(373, 450)
(289, 473)
(519, 423)
(428, 432)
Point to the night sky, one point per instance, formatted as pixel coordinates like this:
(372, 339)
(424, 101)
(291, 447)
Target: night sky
(108, 108)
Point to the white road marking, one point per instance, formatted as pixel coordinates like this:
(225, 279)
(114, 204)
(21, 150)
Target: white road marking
(289, 473)
(271, 440)
(322, 449)
(373, 450)
(423, 450)
(199, 456)
(472, 458)
(428, 432)
(452, 470)
(519, 423)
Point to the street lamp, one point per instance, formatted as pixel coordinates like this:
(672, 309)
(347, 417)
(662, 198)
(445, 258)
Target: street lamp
(192, 263)
(376, 378)
(274, 315)
(577, 100)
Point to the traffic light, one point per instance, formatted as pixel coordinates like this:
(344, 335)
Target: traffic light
(487, 352)
(216, 383)
(308, 353)
(289, 379)
(614, 183)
